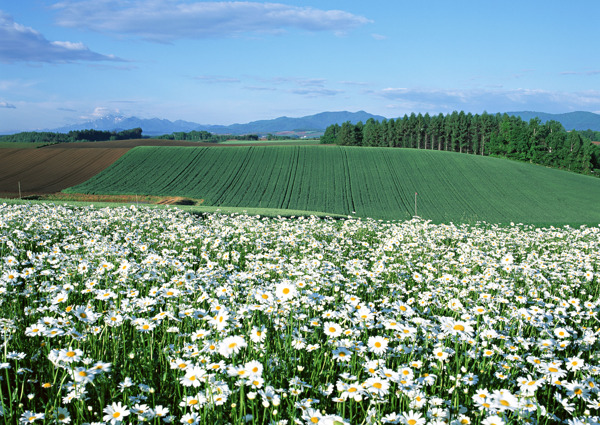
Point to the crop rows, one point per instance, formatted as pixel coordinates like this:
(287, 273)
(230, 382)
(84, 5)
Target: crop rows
(374, 182)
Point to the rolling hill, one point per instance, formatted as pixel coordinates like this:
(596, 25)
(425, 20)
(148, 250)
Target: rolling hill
(369, 182)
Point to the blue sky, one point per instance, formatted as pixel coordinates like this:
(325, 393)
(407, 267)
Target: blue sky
(233, 62)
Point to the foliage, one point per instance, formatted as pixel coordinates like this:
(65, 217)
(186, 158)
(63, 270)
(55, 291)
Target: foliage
(205, 136)
(498, 135)
(590, 134)
(72, 136)
(368, 182)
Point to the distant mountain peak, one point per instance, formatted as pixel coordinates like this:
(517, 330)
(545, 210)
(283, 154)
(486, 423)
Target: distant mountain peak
(318, 122)
(158, 126)
(577, 120)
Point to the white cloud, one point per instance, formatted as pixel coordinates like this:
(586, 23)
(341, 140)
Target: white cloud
(7, 105)
(355, 83)
(216, 79)
(68, 45)
(591, 72)
(379, 37)
(478, 100)
(259, 88)
(316, 92)
(24, 44)
(101, 112)
(168, 20)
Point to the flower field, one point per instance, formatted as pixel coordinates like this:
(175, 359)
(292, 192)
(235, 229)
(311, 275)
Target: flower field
(127, 315)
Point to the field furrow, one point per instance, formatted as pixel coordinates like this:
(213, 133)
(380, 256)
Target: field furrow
(372, 182)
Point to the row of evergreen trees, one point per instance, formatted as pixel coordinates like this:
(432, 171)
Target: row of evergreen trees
(486, 134)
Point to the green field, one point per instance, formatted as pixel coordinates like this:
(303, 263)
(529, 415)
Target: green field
(367, 182)
(295, 142)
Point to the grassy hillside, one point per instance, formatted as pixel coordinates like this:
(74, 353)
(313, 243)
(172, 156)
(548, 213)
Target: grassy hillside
(369, 182)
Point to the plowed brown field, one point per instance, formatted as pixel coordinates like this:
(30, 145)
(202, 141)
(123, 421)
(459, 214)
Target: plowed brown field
(52, 170)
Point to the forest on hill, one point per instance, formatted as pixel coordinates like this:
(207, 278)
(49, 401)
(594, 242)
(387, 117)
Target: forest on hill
(500, 135)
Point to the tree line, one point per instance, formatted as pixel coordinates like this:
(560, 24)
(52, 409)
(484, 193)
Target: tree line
(499, 135)
(134, 133)
(205, 136)
(72, 136)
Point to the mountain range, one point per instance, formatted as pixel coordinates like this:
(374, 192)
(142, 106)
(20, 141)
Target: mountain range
(156, 126)
(315, 123)
(571, 120)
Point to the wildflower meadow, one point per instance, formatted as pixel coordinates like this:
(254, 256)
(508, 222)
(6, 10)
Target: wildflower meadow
(136, 315)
